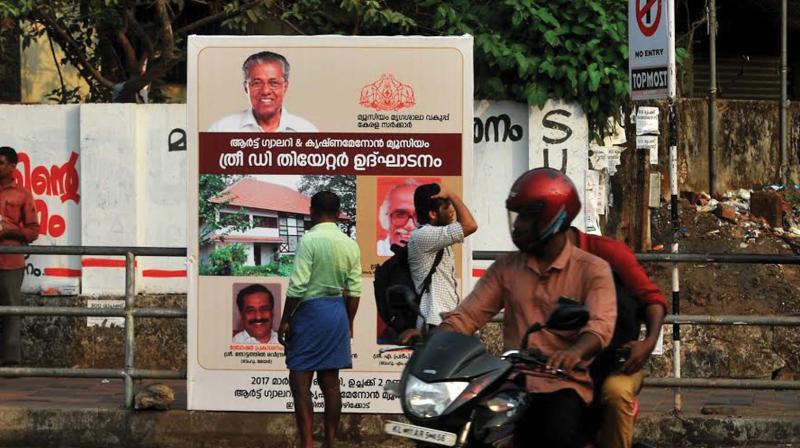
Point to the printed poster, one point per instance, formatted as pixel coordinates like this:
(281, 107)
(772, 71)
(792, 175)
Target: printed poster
(273, 120)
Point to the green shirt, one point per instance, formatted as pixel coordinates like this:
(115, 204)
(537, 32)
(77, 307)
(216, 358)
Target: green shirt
(327, 261)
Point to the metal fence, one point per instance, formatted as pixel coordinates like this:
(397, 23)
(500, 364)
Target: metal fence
(129, 372)
(684, 319)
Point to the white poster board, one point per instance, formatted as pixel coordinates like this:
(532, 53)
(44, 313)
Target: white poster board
(381, 115)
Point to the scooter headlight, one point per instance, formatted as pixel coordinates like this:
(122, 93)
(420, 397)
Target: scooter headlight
(427, 400)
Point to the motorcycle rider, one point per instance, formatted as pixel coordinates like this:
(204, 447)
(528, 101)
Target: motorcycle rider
(637, 299)
(528, 284)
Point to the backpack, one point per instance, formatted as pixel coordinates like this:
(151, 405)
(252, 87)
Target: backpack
(394, 286)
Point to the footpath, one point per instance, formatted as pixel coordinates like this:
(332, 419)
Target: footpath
(61, 412)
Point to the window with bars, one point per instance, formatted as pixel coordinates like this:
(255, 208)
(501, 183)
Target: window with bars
(290, 228)
(268, 222)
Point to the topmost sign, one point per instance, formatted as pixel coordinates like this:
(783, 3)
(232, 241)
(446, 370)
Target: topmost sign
(651, 34)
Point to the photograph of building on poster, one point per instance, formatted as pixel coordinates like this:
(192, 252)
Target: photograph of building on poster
(250, 225)
(371, 119)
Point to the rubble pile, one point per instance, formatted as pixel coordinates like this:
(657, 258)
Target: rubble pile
(771, 212)
(760, 221)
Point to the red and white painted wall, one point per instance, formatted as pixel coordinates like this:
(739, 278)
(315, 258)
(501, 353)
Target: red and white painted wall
(102, 175)
(115, 175)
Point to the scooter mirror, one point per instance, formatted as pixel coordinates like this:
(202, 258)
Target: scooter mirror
(570, 315)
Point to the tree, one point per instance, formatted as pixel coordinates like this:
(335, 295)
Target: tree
(343, 186)
(212, 222)
(120, 47)
(526, 51)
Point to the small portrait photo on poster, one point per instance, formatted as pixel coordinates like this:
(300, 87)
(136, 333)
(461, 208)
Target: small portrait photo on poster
(395, 208)
(255, 313)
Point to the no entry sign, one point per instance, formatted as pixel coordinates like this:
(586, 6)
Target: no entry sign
(651, 35)
(648, 16)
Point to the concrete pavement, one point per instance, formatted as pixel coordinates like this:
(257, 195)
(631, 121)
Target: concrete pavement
(78, 412)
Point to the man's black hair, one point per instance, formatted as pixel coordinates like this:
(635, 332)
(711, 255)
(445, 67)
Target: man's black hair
(423, 202)
(253, 289)
(326, 203)
(264, 57)
(9, 153)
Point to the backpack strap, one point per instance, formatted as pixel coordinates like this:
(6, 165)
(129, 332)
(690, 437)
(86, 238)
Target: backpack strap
(426, 284)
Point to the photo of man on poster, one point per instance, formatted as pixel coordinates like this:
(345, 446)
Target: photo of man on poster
(256, 313)
(395, 207)
(266, 81)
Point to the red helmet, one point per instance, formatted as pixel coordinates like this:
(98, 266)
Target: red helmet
(547, 193)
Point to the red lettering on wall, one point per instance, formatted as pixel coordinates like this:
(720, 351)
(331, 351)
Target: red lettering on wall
(55, 226)
(59, 181)
(62, 181)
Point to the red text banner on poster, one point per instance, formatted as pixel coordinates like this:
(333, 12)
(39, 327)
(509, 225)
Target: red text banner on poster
(330, 153)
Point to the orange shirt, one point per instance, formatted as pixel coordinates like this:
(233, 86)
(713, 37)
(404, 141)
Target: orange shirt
(514, 282)
(18, 213)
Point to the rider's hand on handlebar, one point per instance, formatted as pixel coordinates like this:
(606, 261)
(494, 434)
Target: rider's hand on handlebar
(563, 359)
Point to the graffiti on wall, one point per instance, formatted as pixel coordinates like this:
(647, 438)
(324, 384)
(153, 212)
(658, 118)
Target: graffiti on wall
(59, 181)
(560, 128)
(497, 129)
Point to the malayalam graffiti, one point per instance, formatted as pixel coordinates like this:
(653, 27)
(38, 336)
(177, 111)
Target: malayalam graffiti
(57, 181)
(501, 125)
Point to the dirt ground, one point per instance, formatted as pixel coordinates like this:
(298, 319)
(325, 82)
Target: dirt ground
(726, 288)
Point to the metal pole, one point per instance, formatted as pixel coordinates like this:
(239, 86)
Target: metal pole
(130, 295)
(712, 97)
(676, 303)
(680, 258)
(784, 97)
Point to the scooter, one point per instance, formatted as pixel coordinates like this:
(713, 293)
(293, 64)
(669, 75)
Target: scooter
(454, 393)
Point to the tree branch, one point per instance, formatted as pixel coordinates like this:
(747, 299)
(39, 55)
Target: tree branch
(168, 40)
(77, 55)
(149, 49)
(217, 17)
(127, 48)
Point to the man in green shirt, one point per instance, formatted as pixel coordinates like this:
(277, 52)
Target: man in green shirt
(317, 322)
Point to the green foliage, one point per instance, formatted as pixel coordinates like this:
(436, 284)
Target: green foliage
(121, 46)
(343, 186)
(526, 51)
(211, 222)
(282, 268)
(225, 260)
(575, 50)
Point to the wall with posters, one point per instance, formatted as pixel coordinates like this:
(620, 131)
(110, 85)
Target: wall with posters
(83, 163)
(102, 175)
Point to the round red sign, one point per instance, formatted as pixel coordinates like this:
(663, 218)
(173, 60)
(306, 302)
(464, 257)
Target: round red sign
(644, 16)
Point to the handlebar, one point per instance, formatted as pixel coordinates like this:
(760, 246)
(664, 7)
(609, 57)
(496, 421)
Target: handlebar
(537, 358)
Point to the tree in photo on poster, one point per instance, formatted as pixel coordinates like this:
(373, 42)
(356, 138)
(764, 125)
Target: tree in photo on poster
(343, 186)
(266, 83)
(255, 313)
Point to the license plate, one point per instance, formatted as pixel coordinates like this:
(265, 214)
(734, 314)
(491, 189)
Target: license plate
(420, 433)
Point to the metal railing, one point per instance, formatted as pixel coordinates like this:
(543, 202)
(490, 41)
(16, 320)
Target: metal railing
(687, 319)
(129, 372)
